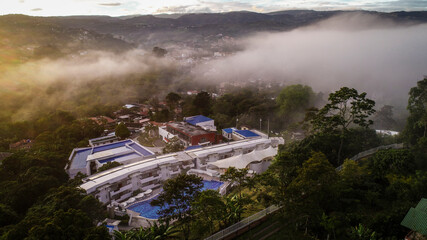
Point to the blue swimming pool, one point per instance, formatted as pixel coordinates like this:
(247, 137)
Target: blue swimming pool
(146, 210)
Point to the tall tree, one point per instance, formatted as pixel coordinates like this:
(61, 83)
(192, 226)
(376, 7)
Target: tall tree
(345, 107)
(210, 207)
(172, 99)
(122, 131)
(293, 100)
(203, 103)
(176, 198)
(416, 126)
(384, 118)
(311, 192)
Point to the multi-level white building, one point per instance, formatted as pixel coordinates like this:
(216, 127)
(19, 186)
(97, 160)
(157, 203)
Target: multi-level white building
(119, 183)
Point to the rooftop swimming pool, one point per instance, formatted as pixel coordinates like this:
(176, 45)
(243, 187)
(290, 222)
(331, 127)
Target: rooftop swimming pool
(146, 210)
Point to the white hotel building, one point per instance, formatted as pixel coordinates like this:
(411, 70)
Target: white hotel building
(143, 170)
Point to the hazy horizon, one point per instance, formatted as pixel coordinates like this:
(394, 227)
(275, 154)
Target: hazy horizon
(119, 8)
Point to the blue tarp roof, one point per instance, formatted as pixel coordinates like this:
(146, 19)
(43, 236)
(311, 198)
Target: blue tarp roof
(193, 147)
(247, 133)
(197, 119)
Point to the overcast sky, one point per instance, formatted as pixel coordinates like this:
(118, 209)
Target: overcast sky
(131, 7)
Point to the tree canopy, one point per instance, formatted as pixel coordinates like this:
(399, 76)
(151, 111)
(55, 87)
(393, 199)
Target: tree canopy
(122, 131)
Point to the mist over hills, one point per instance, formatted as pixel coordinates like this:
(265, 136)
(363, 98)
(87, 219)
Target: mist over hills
(382, 53)
(194, 29)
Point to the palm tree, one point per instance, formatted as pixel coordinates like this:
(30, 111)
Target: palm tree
(163, 231)
(122, 235)
(142, 234)
(234, 210)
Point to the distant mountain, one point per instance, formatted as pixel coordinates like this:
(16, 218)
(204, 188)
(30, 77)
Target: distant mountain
(194, 30)
(24, 37)
(148, 30)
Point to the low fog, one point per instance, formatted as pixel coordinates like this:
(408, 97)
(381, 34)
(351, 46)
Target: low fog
(355, 50)
(91, 78)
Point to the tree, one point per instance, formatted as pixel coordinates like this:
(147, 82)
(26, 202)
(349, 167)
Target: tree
(416, 126)
(239, 177)
(174, 145)
(203, 103)
(396, 161)
(176, 198)
(383, 118)
(122, 131)
(210, 207)
(172, 99)
(309, 195)
(346, 106)
(236, 176)
(293, 100)
(279, 175)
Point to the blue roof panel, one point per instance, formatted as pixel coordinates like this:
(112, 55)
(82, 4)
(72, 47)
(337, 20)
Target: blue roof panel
(79, 159)
(229, 130)
(193, 147)
(140, 149)
(121, 157)
(194, 120)
(247, 133)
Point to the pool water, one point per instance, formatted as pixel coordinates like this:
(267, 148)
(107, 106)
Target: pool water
(146, 210)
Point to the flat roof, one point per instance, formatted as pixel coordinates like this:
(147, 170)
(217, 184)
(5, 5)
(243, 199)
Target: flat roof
(193, 147)
(226, 147)
(187, 128)
(111, 175)
(247, 133)
(118, 151)
(194, 120)
(103, 138)
(229, 130)
(78, 161)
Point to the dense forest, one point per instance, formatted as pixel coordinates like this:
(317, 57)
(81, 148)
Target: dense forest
(364, 200)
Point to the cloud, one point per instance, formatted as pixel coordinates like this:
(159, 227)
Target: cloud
(36, 9)
(58, 84)
(110, 4)
(355, 50)
(210, 7)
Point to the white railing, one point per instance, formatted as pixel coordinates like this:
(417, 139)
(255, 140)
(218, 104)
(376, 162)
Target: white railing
(245, 222)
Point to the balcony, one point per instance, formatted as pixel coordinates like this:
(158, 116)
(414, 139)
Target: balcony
(148, 179)
(127, 187)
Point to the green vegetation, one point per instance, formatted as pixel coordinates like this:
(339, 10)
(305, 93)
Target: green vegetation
(177, 196)
(174, 145)
(345, 107)
(36, 198)
(122, 131)
(157, 231)
(365, 200)
(109, 165)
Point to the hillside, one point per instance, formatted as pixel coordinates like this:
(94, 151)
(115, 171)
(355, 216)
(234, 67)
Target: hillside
(23, 38)
(194, 29)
